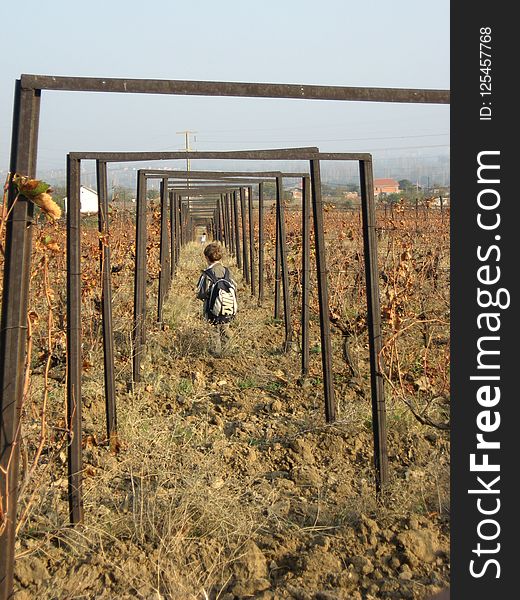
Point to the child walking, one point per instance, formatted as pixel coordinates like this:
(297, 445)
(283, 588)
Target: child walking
(217, 290)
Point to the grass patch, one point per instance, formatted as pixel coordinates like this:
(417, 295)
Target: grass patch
(273, 386)
(247, 383)
(185, 387)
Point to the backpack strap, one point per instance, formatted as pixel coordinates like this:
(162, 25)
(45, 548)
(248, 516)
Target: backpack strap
(210, 275)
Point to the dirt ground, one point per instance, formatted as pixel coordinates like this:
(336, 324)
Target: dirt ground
(229, 484)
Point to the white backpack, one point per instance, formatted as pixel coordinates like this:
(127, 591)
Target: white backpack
(221, 303)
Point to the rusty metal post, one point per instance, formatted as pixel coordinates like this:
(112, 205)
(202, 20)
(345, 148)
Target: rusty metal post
(323, 293)
(231, 224)
(229, 219)
(186, 224)
(191, 228)
(251, 241)
(237, 231)
(277, 269)
(13, 332)
(283, 265)
(227, 240)
(182, 235)
(245, 254)
(164, 251)
(106, 303)
(222, 219)
(74, 360)
(225, 222)
(169, 237)
(260, 243)
(218, 220)
(139, 275)
(306, 261)
(374, 323)
(178, 238)
(173, 249)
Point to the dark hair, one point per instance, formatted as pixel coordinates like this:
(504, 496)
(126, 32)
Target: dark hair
(213, 252)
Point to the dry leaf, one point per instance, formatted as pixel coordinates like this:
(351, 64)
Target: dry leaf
(48, 206)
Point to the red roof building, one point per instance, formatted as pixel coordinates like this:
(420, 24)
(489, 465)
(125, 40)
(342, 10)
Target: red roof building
(385, 186)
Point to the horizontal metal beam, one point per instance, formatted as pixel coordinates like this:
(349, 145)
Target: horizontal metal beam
(174, 174)
(238, 181)
(227, 88)
(207, 191)
(272, 154)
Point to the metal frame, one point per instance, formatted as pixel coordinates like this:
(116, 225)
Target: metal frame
(374, 324)
(246, 177)
(19, 235)
(74, 290)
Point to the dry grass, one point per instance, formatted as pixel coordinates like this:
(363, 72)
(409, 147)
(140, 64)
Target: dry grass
(210, 461)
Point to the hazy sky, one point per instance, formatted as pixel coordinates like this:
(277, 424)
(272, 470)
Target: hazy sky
(403, 43)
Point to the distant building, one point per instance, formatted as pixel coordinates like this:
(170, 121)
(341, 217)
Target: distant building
(436, 201)
(351, 196)
(296, 194)
(88, 199)
(385, 186)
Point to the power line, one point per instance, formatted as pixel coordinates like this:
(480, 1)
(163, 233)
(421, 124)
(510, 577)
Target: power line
(361, 139)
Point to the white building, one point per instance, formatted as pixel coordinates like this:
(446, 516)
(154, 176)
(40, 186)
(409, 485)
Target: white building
(88, 201)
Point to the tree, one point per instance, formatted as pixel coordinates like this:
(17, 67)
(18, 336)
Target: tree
(406, 185)
(391, 198)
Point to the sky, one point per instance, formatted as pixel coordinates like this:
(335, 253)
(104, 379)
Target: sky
(377, 43)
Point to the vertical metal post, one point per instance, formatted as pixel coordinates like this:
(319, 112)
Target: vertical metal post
(106, 303)
(245, 255)
(225, 217)
(225, 222)
(222, 219)
(306, 260)
(218, 220)
(173, 249)
(217, 213)
(277, 269)
(323, 293)
(186, 222)
(251, 241)
(237, 231)
(374, 323)
(178, 238)
(191, 225)
(169, 249)
(231, 220)
(283, 265)
(13, 331)
(260, 243)
(74, 360)
(442, 209)
(164, 251)
(139, 275)
(182, 235)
